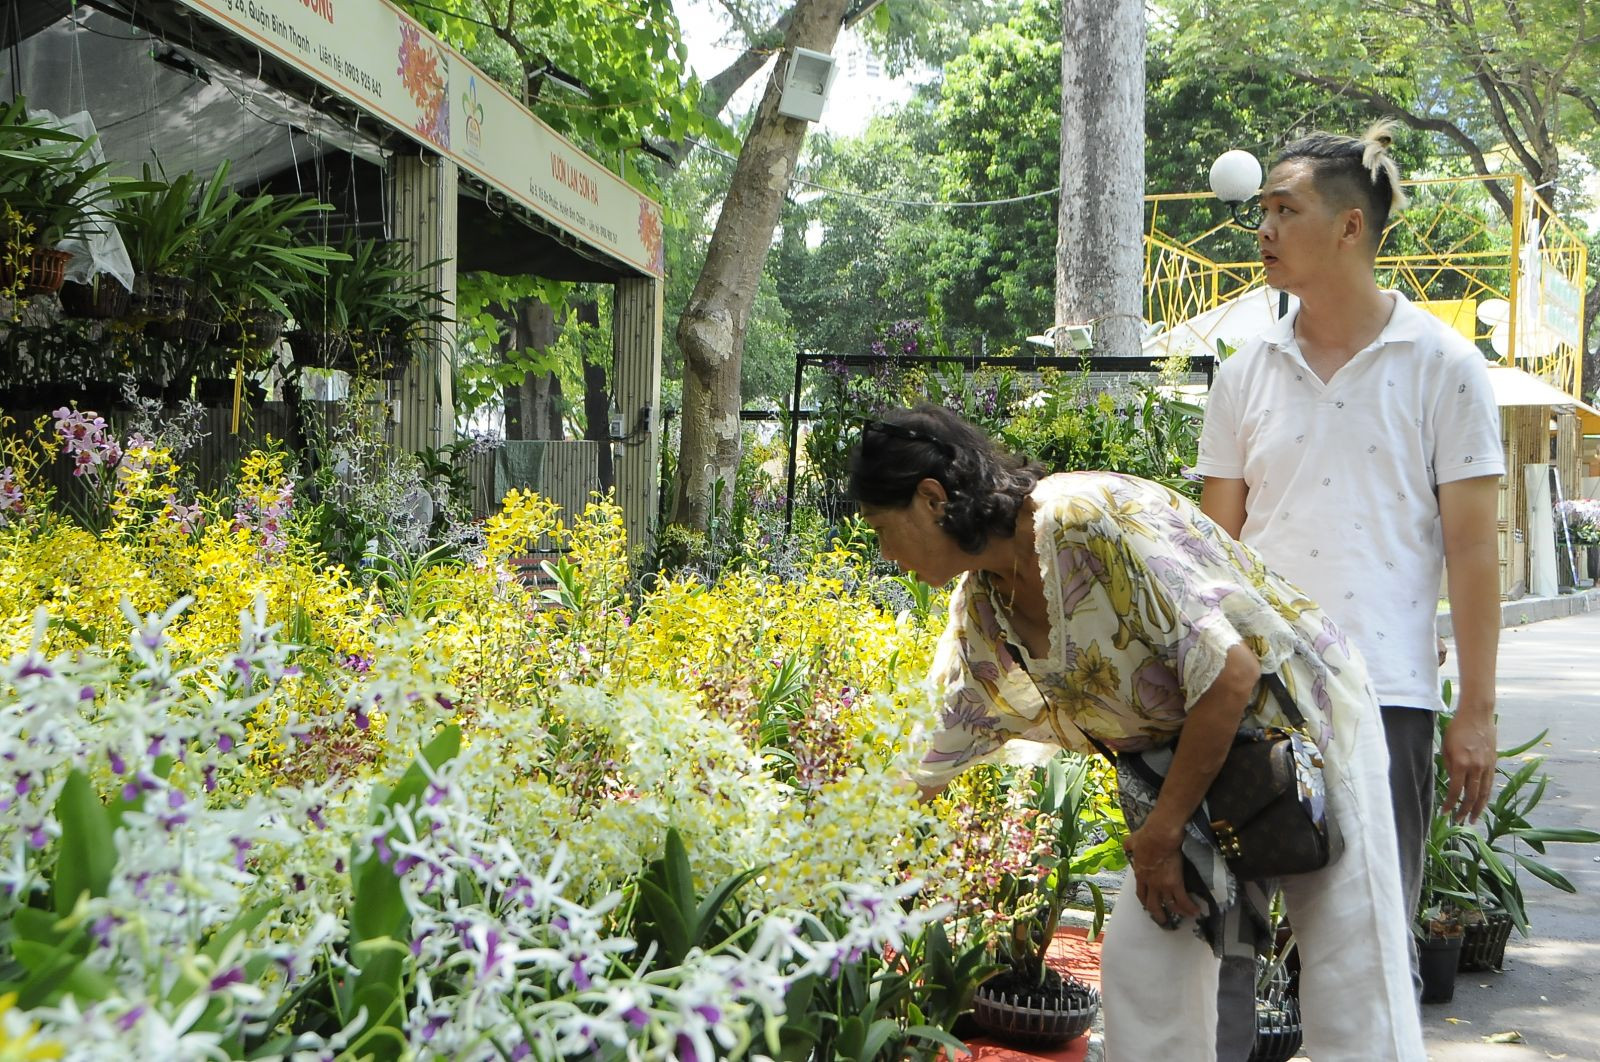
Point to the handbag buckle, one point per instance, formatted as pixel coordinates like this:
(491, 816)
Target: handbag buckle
(1227, 839)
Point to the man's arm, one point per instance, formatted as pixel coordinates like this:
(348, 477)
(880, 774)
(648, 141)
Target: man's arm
(1468, 511)
(1224, 501)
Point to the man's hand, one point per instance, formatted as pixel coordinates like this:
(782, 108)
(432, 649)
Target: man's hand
(1157, 866)
(1469, 761)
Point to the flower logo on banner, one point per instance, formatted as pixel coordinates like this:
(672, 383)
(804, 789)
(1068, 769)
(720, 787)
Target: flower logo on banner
(651, 235)
(424, 70)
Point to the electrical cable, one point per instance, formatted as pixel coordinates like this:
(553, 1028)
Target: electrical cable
(888, 200)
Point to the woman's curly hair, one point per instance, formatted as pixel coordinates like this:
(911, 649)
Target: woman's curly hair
(985, 486)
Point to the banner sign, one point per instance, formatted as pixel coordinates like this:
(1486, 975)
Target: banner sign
(385, 62)
(1561, 307)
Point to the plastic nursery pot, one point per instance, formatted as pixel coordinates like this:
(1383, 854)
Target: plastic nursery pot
(1278, 1031)
(1438, 958)
(1048, 1015)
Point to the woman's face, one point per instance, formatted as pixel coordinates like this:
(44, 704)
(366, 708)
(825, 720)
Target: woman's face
(911, 537)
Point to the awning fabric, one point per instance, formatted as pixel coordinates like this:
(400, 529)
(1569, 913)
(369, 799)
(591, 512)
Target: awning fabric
(1514, 387)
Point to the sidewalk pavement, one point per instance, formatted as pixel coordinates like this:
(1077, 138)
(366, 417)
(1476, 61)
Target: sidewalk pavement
(1549, 992)
(1526, 610)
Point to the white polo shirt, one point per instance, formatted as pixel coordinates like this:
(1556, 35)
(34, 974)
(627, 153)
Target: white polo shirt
(1343, 477)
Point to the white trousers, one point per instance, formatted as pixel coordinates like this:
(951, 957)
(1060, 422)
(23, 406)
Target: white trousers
(1356, 996)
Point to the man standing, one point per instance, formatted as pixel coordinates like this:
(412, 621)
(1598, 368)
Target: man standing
(1356, 445)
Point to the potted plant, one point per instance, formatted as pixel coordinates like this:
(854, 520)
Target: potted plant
(1449, 897)
(1279, 1031)
(52, 192)
(254, 255)
(1510, 842)
(364, 314)
(1027, 1002)
(1582, 519)
(163, 230)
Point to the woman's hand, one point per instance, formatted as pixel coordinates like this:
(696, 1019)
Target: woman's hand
(1157, 864)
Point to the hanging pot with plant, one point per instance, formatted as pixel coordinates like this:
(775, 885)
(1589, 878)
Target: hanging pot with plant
(256, 253)
(53, 191)
(363, 316)
(164, 230)
(103, 298)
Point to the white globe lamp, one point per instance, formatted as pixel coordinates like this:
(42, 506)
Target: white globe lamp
(1235, 177)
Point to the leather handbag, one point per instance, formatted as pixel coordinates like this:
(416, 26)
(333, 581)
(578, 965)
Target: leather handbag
(1268, 805)
(1267, 808)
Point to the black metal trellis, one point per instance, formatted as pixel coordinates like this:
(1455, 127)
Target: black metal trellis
(1205, 363)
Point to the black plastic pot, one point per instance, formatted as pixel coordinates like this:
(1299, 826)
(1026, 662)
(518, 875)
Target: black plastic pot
(1438, 958)
(1279, 1033)
(1483, 944)
(1059, 1012)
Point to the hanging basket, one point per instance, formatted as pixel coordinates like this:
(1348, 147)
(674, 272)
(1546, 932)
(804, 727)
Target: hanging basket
(42, 273)
(250, 330)
(103, 298)
(188, 330)
(1483, 944)
(315, 348)
(160, 296)
(1279, 1033)
(1040, 1017)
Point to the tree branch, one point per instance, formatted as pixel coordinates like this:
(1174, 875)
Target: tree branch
(1457, 135)
(722, 86)
(1586, 100)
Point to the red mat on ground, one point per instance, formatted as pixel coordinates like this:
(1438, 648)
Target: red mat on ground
(1071, 952)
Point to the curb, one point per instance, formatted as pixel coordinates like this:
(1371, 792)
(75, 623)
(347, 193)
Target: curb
(1525, 610)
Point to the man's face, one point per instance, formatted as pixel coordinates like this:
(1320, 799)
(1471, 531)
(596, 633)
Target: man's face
(1300, 234)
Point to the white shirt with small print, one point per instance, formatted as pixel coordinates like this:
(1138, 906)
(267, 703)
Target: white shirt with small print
(1343, 477)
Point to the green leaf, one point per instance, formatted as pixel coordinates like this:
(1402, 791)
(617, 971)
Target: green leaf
(666, 927)
(1543, 872)
(86, 853)
(1506, 754)
(878, 1037)
(1568, 835)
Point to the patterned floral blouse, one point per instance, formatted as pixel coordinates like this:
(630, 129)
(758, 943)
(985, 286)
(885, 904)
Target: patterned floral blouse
(1146, 596)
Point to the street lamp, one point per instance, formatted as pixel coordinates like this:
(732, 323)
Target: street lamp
(1236, 180)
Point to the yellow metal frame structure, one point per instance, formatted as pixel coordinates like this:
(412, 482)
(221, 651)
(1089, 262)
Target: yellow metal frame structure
(1452, 244)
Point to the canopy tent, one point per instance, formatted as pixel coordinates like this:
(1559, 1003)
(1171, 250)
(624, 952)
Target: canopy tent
(1513, 387)
(180, 104)
(362, 106)
(1232, 322)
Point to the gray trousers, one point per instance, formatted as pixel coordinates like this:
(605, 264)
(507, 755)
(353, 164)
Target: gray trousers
(1409, 732)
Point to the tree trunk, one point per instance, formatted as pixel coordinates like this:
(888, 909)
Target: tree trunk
(711, 330)
(597, 401)
(533, 404)
(1099, 243)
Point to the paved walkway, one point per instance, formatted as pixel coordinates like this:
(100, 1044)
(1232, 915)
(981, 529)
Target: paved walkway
(1549, 992)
